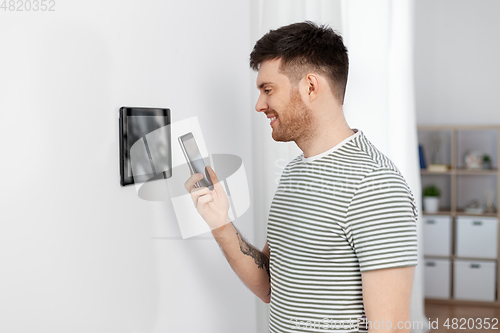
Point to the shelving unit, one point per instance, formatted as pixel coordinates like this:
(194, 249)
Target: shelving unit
(458, 185)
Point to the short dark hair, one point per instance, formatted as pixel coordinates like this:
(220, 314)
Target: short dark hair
(303, 48)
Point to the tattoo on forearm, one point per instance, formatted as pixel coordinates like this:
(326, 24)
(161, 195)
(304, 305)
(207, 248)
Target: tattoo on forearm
(260, 258)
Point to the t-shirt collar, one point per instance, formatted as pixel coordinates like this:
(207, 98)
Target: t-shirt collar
(331, 150)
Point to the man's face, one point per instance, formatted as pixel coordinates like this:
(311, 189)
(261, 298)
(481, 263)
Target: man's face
(279, 98)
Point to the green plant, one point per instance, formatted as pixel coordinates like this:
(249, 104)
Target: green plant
(432, 191)
(486, 158)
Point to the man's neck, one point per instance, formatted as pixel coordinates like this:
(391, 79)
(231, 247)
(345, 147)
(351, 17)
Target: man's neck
(327, 134)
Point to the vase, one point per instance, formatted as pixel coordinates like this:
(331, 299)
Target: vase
(486, 165)
(431, 204)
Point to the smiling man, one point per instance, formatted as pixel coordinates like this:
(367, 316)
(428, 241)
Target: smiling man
(341, 241)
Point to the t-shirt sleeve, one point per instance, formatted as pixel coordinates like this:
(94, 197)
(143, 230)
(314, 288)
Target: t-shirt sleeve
(381, 222)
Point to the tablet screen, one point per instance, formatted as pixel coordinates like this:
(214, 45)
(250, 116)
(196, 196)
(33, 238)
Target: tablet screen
(152, 127)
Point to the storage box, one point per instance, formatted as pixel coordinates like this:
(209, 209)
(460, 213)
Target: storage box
(476, 237)
(437, 278)
(474, 280)
(437, 235)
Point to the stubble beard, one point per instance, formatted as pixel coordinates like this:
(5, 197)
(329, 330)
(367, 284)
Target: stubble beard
(295, 123)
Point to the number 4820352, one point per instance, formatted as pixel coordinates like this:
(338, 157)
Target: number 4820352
(471, 323)
(28, 5)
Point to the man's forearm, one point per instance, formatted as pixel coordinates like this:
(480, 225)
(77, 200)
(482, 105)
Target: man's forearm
(250, 264)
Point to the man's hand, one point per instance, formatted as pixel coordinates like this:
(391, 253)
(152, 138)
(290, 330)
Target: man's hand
(212, 205)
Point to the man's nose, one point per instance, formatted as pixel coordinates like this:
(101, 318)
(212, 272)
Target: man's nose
(261, 104)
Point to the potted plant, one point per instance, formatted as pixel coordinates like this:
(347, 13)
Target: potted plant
(486, 162)
(431, 195)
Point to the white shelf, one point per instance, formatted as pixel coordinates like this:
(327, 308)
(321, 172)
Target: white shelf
(458, 187)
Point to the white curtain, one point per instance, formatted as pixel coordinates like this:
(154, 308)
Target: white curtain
(379, 101)
(270, 157)
(380, 96)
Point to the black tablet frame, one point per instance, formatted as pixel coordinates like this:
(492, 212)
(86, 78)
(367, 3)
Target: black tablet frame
(124, 113)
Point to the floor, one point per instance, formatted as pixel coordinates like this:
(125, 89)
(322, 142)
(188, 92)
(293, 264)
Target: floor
(462, 318)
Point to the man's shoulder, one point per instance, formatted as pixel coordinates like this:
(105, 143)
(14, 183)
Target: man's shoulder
(358, 157)
(363, 152)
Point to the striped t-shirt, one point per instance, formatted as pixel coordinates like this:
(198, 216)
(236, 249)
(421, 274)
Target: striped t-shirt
(333, 216)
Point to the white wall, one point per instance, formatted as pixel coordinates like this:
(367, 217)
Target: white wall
(78, 252)
(456, 61)
(457, 75)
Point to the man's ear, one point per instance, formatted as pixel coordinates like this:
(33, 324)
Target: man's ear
(312, 86)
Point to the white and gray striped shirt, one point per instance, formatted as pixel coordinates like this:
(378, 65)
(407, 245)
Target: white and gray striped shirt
(333, 216)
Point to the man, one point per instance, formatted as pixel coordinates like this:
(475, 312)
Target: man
(341, 238)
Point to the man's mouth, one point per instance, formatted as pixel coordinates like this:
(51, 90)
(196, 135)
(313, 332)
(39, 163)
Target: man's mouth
(273, 119)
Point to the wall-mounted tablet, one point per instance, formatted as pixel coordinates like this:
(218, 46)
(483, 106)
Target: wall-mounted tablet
(150, 128)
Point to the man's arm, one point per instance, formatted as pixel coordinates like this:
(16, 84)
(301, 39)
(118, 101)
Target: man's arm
(386, 298)
(250, 264)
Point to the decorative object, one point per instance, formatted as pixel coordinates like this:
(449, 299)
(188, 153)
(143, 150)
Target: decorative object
(431, 195)
(437, 160)
(486, 162)
(490, 196)
(437, 142)
(473, 159)
(474, 207)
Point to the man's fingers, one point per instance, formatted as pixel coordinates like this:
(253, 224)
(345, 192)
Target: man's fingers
(211, 173)
(217, 186)
(201, 196)
(189, 185)
(198, 193)
(205, 199)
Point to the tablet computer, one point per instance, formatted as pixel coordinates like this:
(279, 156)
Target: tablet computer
(152, 127)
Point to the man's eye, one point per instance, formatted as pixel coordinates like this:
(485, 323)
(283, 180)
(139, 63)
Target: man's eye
(267, 91)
